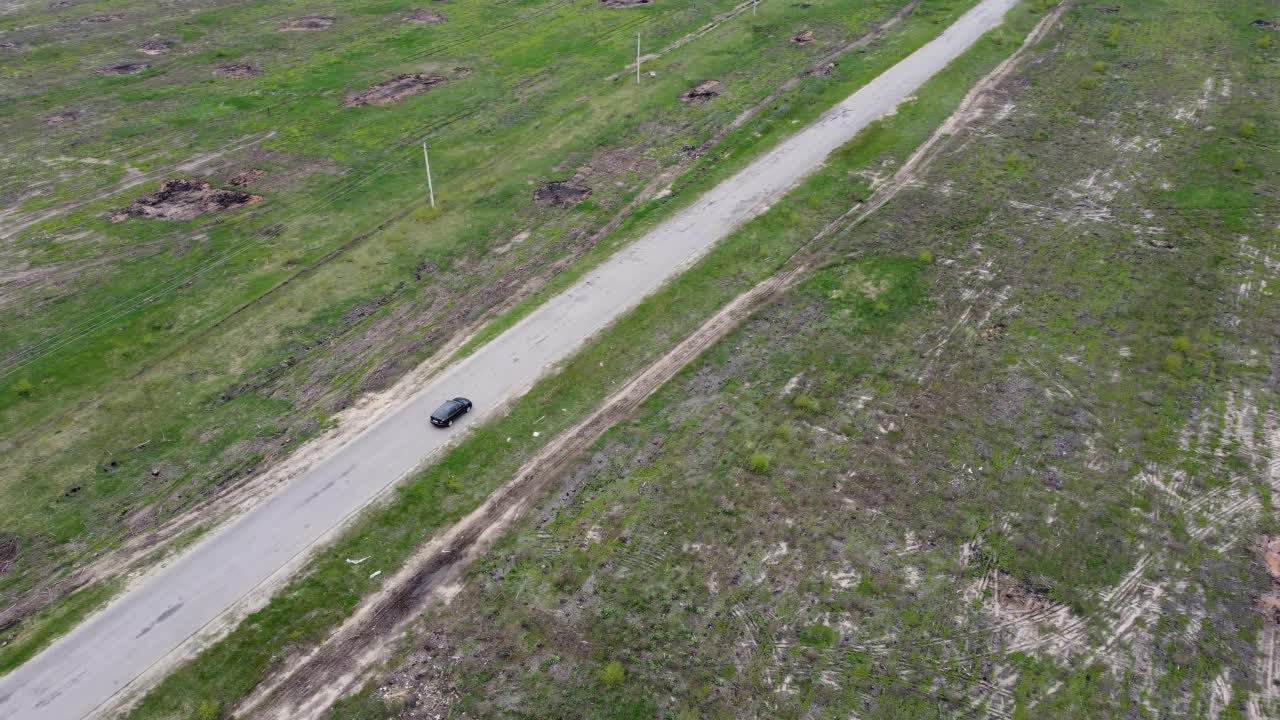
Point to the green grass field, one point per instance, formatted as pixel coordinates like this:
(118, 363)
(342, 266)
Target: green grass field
(149, 364)
(326, 594)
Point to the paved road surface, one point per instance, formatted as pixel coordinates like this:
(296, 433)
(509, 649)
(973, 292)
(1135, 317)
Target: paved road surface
(81, 673)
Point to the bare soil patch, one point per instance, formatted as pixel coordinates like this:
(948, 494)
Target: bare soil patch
(61, 117)
(395, 90)
(624, 3)
(246, 178)
(155, 47)
(309, 23)
(803, 38)
(100, 19)
(1269, 603)
(1268, 24)
(561, 194)
(825, 70)
(8, 553)
(703, 92)
(187, 200)
(426, 17)
(125, 69)
(236, 70)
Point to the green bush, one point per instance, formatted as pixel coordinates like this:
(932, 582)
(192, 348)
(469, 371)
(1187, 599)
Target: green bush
(1238, 166)
(1180, 344)
(612, 675)
(208, 711)
(23, 388)
(925, 257)
(1172, 363)
(1264, 42)
(1113, 37)
(806, 403)
(1099, 67)
(759, 462)
(1247, 129)
(819, 636)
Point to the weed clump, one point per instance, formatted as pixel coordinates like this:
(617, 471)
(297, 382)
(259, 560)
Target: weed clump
(818, 636)
(806, 403)
(1247, 129)
(1172, 363)
(925, 257)
(759, 462)
(612, 675)
(1238, 166)
(1113, 37)
(23, 388)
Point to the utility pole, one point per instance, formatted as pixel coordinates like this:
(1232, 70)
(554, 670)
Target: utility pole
(754, 3)
(637, 58)
(431, 192)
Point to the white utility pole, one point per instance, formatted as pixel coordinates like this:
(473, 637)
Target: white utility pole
(637, 58)
(754, 3)
(427, 161)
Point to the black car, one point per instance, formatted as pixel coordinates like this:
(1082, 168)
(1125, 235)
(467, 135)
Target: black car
(450, 411)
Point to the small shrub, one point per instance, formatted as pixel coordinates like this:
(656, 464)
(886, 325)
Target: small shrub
(819, 636)
(759, 463)
(1113, 37)
(1238, 166)
(806, 403)
(925, 257)
(1172, 363)
(1264, 42)
(1088, 83)
(612, 675)
(1247, 129)
(1180, 344)
(208, 711)
(23, 388)
(1041, 135)
(881, 307)
(1099, 67)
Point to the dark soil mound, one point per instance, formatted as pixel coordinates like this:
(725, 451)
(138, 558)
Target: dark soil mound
(425, 17)
(8, 45)
(99, 19)
(125, 69)
(246, 178)
(154, 47)
(188, 199)
(825, 70)
(310, 23)
(393, 91)
(8, 553)
(704, 92)
(561, 194)
(61, 117)
(803, 38)
(1266, 24)
(624, 3)
(237, 71)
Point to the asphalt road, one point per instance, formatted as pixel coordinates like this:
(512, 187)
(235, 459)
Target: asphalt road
(80, 674)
